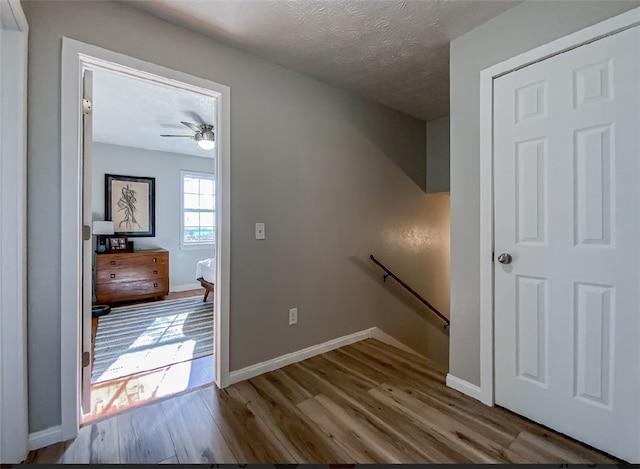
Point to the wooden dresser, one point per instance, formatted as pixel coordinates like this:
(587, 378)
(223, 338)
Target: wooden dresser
(127, 276)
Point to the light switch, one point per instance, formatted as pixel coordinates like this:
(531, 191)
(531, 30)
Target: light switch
(259, 230)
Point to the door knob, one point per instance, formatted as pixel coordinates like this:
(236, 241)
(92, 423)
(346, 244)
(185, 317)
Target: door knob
(505, 258)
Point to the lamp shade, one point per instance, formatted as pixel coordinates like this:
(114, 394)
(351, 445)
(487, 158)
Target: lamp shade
(102, 227)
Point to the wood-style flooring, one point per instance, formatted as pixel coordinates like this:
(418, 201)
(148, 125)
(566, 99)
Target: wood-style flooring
(364, 403)
(111, 397)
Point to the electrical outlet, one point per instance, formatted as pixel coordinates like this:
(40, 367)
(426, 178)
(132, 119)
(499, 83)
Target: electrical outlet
(293, 316)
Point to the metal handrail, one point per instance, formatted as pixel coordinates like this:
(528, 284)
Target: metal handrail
(410, 290)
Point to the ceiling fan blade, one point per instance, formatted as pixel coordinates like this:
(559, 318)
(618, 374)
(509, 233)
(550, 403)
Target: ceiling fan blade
(196, 117)
(187, 136)
(194, 127)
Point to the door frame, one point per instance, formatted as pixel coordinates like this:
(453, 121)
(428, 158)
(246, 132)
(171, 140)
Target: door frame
(77, 56)
(13, 232)
(603, 29)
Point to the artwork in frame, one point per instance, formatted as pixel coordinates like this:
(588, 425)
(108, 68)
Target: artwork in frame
(130, 204)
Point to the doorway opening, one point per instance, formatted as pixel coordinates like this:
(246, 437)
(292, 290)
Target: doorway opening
(146, 176)
(149, 190)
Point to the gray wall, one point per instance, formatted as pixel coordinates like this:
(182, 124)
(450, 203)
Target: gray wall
(334, 178)
(519, 29)
(438, 161)
(165, 167)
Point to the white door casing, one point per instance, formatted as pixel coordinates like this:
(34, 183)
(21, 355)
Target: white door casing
(13, 303)
(76, 57)
(485, 390)
(567, 208)
(87, 246)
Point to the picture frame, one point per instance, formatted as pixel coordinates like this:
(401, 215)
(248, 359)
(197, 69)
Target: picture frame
(130, 204)
(117, 243)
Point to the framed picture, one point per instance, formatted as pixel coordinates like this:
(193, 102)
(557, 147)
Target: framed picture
(117, 243)
(130, 202)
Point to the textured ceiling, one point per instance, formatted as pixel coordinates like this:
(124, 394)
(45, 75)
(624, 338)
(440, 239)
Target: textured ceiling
(394, 52)
(133, 113)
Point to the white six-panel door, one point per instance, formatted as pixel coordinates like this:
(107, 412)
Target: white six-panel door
(567, 210)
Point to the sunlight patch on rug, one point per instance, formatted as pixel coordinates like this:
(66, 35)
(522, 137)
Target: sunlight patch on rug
(143, 337)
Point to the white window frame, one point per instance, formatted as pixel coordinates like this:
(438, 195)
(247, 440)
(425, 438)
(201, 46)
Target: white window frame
(186, 245)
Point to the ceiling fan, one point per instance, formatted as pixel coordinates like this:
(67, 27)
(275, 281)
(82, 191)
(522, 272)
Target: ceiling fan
(204, 135)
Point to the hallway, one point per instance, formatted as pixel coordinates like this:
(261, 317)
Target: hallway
(365, 403)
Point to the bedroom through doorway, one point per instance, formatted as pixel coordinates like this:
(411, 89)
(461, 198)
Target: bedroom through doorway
(150, 195)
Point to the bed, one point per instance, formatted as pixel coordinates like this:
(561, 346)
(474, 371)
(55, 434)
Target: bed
(206, 275)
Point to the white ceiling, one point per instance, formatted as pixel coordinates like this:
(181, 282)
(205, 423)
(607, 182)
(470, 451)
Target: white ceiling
(133, 113)
(392, 51)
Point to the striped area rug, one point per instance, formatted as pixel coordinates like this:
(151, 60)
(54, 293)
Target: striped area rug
(146, 336)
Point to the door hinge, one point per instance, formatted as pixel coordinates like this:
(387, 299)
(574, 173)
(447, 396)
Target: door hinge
(493, 255)
(86, 232)
(86, 106)
(86, 358)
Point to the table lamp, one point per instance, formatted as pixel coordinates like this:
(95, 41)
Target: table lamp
(102, 229)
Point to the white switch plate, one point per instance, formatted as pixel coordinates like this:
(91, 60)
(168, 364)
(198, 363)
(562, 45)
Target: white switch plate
(293, 316)
(259, 230)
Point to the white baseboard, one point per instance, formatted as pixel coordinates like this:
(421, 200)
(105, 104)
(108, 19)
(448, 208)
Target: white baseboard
(294, 357)
(46, 437)
(465, 387)
(189, 286)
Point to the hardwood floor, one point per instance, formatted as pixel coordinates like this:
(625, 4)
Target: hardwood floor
(110, 397)
(364, 403)
(114, 396)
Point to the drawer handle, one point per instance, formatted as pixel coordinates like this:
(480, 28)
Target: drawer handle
(113, 262)
(154, 260)
(155, 272)
(155, 285)
(113, 275)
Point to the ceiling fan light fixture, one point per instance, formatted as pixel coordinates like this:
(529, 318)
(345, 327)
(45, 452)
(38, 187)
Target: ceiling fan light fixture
(204, 135)
(206, 139)
(206, 144)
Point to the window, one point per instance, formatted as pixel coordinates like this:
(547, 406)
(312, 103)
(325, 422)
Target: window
(198, 220)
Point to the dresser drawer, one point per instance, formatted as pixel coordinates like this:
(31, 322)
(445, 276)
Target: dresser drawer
(127, 273)
(123, 291)
(132, 259)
